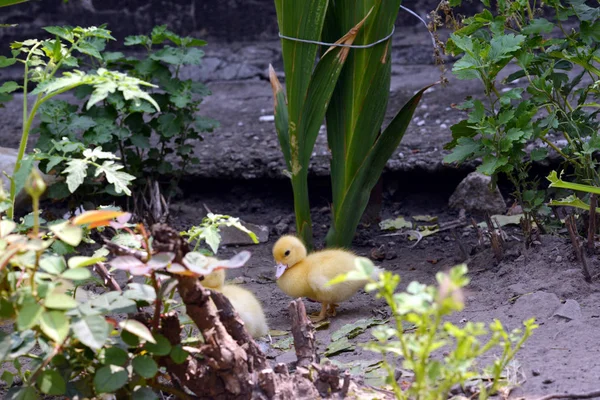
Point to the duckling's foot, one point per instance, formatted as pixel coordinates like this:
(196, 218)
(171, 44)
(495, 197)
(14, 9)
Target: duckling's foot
(332, 310)
(321, 316)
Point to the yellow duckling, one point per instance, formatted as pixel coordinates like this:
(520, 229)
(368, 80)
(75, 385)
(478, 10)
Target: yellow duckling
(243, 301)
(299, 275)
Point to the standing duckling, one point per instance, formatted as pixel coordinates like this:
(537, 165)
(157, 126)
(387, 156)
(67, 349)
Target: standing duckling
(244, 302)
(302, 275)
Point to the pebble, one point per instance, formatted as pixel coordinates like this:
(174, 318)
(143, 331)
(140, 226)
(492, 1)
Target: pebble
(559, 259)
(266, 118)
(535, 372)
(421, 123)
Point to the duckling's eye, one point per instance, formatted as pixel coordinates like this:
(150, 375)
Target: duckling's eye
(287, 253)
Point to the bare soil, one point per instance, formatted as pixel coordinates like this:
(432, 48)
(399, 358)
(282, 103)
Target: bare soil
(561, 356)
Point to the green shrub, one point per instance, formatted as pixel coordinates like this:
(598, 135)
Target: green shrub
(419, 339)
(151, 141)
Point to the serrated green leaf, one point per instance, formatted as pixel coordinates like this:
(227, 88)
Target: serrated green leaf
(119, 179)
(76, 172)
(464, 149)
(9, 87)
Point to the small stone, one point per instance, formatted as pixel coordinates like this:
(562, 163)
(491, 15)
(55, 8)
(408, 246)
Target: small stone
(231, 235)
(447, 238)
(570, 310)
(547, 381)
(540, 305)
(282, 228)
(536, 243)
(535, 372)
(474, 195)
(378, 254)
(390, 255)
(266, 118)
(559, 259)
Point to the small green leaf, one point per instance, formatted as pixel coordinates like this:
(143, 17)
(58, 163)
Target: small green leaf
(79, 274)
(110, 378)
(178, 355)
(114, 356)
(53, 264)
(60, 301)
(138, 329)
(55, 325)
(356, 328)
(145, 366)
(162, 347)
(119, 179)
(92, 331)
(140, 292)
(22, 393)
(68, 233)
(143, 393)
(76, 172)
(9, 87)
(465, 148)
(5, 346)
(29, 315)
(50, 382)
(81, 261)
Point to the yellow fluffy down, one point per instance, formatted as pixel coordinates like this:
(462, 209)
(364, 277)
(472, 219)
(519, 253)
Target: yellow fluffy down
(242, 300)
(248, 308)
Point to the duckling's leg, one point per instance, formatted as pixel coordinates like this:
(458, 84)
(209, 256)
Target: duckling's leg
(322, 315)
(332, 309)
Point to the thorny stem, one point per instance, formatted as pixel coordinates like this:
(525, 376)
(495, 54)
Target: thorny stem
(47, 361)
(157, 305)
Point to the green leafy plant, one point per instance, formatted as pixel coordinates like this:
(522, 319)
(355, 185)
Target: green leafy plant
(152, 141)
(208, 230)
(42, 59)
(74, 344)
(418, 349)
(355, 104)
(558, 65)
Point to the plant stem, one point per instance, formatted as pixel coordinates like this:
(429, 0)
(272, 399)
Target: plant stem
(302, 207)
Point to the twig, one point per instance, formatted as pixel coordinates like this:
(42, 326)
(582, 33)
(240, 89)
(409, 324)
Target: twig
(125, 251)
(303, 333)
(109, 281)
(588, 395)
(179, 394)
(591, 242)
(572, 228)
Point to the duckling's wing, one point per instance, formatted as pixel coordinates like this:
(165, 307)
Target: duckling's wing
(324, 268)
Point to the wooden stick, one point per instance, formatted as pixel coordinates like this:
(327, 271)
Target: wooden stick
(304, 334)
(572, 228)
(108, 279)
(591, 239)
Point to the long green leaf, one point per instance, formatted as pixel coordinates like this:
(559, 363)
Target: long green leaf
(281, 117)
(6, 3)
(556, 182)
(347, 214)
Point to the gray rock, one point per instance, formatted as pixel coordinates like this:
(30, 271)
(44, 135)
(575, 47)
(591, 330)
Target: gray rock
(540, 305)
(231, 235)
(518, 289)
(473, 194)
(570, 310)
(287, 357)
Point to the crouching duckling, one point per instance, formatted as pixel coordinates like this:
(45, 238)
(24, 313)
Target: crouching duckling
(243, 301)
(302, 275)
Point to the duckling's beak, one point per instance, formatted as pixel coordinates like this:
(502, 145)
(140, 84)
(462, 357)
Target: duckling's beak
(280, 270)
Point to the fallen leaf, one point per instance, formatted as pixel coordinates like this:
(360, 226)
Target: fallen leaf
(425, 218)
(284, 344)
(395, 224)
(339, 346)
(322, 324)
(356, 328)
(276, 333)
(503, 220)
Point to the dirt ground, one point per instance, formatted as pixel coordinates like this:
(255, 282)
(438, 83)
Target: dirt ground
(241, 175)
(561, 356)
